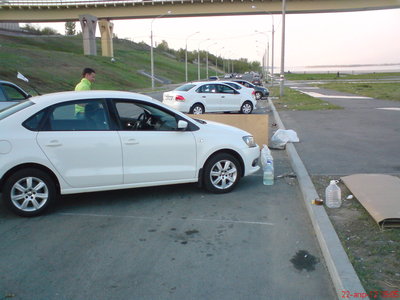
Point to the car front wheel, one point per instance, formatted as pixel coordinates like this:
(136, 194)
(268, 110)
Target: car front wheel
(221, 173)
(197, 109)
(246, 108)
(258, 95)
(29, 192)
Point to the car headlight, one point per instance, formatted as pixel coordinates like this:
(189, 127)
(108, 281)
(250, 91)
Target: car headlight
(249, 140)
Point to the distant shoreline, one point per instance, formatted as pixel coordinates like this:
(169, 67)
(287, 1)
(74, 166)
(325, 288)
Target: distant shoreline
(351, 66)
(353, 69)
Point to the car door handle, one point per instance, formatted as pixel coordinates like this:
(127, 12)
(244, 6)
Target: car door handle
(203, 96)
(131, 142)
(53, 143)
(222, 96)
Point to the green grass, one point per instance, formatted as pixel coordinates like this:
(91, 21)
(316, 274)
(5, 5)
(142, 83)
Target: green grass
(294, 100)
(378, 90)
(55, 64)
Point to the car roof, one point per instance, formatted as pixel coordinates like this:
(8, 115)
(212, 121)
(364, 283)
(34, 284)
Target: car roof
(207, 82)
(58, 97)
(3, 81)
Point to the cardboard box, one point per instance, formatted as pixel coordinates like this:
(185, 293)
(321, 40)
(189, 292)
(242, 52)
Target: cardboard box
(255, 124)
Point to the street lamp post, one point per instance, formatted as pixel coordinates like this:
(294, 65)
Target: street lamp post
(186, 58)
(282, 77)
(207, 57)
(216, 61)
(151, 47)
(266, 56)
(272, 44)
(198, 58)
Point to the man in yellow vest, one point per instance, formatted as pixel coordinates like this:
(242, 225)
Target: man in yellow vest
(88, 77)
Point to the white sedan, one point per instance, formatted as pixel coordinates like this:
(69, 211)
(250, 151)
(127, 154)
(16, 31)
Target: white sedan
(202, 97)
(77, 142)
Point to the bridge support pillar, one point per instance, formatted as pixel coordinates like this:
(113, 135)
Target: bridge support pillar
(88, 24)
(106, 31)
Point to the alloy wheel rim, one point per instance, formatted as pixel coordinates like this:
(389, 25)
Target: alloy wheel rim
(29, 194)
(197, 110)
(247, 108)
(223, 174)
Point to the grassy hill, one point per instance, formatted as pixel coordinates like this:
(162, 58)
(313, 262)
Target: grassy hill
(55, 64)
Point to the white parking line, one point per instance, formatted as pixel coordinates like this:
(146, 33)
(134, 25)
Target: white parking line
(177, 219)
(389, 108)
(305, 87)
(318, 95)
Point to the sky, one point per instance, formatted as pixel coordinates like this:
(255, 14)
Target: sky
(367, 37)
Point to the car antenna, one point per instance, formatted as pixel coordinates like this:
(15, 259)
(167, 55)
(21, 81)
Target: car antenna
(23, 78)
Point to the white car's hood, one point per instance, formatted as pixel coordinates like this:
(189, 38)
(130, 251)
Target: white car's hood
(212, 125)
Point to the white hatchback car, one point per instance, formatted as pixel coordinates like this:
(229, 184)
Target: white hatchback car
(77, 142)
(202, 97)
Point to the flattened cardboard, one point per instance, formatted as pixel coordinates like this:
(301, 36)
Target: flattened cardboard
(257, 125)
(379, 194)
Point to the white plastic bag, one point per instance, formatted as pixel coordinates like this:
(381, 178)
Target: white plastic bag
(281, 137)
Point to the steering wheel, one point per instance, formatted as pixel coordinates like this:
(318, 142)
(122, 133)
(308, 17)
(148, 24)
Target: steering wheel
(141, 121)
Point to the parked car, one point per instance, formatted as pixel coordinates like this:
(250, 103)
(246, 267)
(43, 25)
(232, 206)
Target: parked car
(121, 140)
(227, 76)
(257, 81)
(260, 92)
(209, 96)
(213, 78)
(241, 88)
(11, 93)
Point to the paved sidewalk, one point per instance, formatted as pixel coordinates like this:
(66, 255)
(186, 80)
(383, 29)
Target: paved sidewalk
(341, 270)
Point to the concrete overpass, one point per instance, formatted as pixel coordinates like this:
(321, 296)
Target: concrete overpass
(89, 11)
(66, 10)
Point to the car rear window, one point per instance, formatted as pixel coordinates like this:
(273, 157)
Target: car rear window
(185, 87)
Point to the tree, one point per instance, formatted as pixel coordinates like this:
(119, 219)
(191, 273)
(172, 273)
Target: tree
(70, 28)
(163, 46)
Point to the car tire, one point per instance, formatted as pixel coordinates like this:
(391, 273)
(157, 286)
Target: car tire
(258, 95)
(29, 192)
(222, 172)
(246, 108)
(197, 109)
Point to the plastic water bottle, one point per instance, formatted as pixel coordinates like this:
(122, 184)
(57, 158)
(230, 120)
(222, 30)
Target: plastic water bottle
(333, 195)
(267, 162)
(268, 174)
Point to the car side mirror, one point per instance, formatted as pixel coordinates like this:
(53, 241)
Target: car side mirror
(182, 124)
(236, 92)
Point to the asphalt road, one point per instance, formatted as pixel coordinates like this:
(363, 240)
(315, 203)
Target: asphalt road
(172, 242)
(363, 137)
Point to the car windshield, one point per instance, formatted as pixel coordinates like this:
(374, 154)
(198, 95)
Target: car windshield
(185, 87)
(8, 111)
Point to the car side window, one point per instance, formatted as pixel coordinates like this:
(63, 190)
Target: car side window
(13, 93)
(139, 116)
(207, 88)
(84, 115)
(224, 89)
(2, 95)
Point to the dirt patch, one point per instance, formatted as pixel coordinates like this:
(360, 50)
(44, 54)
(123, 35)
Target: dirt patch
(373, 251)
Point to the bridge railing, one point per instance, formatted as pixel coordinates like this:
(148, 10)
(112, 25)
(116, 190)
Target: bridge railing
(55, 3)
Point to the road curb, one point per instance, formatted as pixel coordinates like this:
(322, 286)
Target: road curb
(343, 275)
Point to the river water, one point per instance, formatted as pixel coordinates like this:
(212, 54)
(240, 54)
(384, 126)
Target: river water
(354, 69)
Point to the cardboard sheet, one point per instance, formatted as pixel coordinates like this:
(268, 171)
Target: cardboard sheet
(379, 194)
(257, 125)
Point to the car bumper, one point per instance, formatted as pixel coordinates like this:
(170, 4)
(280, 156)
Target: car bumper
(178, 105)
(251, 158)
